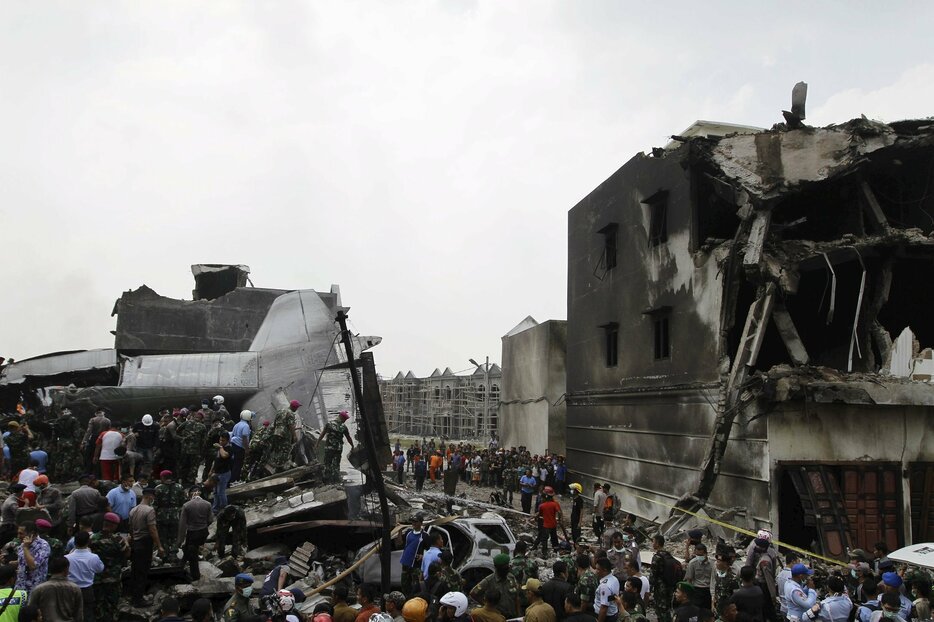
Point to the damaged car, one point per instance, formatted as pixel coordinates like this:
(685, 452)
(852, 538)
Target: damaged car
(473, 542)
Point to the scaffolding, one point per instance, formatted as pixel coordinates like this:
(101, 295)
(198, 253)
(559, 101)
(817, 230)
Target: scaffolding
(442, 405)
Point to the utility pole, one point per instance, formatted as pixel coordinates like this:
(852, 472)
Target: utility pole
(369, 442)
(486, 402)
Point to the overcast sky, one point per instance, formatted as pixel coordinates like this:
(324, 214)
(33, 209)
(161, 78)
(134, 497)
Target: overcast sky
(423, 155)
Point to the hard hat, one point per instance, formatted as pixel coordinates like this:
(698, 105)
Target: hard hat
(456, 600)
(219, 399)
(147, 420)
(576, 488)
(286, 600)
(246, 415)
(415, 610)
(380, 617)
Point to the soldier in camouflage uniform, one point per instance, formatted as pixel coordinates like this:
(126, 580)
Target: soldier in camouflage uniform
(169, 498)
(725, 583)
(56, 546)
(18, 442)
(259, 451)
(282, 437)
(211, 437)
(231, 522)
(452, 579)
(661, 591)
(567, 556)
(66, 433)
(334, 433)
(108, 585)
(191, 435)
(502, 581)
(522, 568)
(586, 586)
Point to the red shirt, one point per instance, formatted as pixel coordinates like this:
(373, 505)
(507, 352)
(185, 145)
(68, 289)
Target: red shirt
(549, 513)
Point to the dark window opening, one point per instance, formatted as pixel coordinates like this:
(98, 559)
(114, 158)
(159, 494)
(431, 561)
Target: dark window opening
(658, 217)
(610, 237)
(611, 343)
(662, 342)
(903, 188)
(822, 212)
(714, 209)
(910, 300)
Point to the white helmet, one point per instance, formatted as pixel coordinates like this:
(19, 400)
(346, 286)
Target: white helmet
(456, 600)
(147, 420)
(286, 600)
(380, 617)
(219, 399)
(246, 415)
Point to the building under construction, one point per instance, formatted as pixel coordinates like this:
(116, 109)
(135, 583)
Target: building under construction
(444, 403)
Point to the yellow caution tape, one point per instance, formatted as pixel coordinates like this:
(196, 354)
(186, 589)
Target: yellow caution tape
(806, 553)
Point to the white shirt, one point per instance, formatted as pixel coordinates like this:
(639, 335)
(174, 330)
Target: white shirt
(27, 477)
(109, 442)
(645, 587)
(608, 587)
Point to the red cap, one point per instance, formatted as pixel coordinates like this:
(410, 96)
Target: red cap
(295, 404)
(110, 517)
(343, 415)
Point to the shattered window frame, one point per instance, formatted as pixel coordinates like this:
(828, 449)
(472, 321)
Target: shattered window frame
(610, 235)
(658, 218)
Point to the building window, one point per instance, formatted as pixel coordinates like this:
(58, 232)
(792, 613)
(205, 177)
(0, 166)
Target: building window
(658, 217)
(611, 343)
(609, 233)
(662, 337)
(481, 392)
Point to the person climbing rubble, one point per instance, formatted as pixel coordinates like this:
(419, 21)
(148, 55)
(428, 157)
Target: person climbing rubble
(334, 433)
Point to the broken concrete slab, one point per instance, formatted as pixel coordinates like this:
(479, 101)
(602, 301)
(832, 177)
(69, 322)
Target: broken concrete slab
(296, 506)
(267, 552)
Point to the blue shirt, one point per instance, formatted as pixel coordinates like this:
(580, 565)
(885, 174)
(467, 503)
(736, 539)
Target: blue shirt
(241, 430)
(83, 565)
(529, 484)
(41, 457)
(412, 541)
(561, 472)
(798, 598)
(121, 502)
(431, 556)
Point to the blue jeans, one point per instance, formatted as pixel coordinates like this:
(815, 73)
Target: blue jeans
(220, 491)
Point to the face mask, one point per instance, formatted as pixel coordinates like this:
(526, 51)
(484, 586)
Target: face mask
(853, 573)
(888, 614)
(721, 573)
(247, 591)
(701, 557)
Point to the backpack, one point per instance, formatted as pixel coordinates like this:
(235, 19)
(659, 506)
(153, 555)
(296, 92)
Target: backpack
(673, 571)
(610, 506)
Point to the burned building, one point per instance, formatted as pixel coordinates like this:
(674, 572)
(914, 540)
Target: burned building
(748, 324)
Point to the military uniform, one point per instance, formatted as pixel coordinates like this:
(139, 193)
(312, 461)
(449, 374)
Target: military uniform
(452, 580)
(334, 433)
(661, 592)
(191, 434)
(587, 585)
(723, 589)
(56, 547)
(19, 450)
(571, 561)
(208, 450)
(280, 439)
(108, 585)
(523, 568)
(237, 608)
(169, 500)
(259, 451)
(508, 588)
(231, 521)
(66, 449)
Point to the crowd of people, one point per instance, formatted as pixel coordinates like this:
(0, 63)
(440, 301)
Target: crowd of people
(146, 498)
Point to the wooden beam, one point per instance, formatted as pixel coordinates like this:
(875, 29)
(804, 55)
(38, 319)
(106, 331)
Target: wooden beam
(756, 240)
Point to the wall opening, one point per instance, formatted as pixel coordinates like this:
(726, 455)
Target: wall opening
(658, 217)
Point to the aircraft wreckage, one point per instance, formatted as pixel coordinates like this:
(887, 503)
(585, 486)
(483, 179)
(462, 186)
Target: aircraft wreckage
(252, 345)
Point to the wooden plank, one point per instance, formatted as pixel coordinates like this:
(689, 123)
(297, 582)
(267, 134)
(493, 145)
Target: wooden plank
(313, 524)
(756, 240)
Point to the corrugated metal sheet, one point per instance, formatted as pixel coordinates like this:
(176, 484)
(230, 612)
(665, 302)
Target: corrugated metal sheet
(214, 370)
(55, 364)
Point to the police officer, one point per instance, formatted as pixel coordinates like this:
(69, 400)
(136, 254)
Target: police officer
(239, 607)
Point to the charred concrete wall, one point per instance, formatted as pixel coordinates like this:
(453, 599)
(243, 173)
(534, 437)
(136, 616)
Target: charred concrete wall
(532, 412)
(150, 323)
(644, 423)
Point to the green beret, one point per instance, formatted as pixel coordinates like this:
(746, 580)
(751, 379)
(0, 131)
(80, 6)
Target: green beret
(686, 587)
(501, 560)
